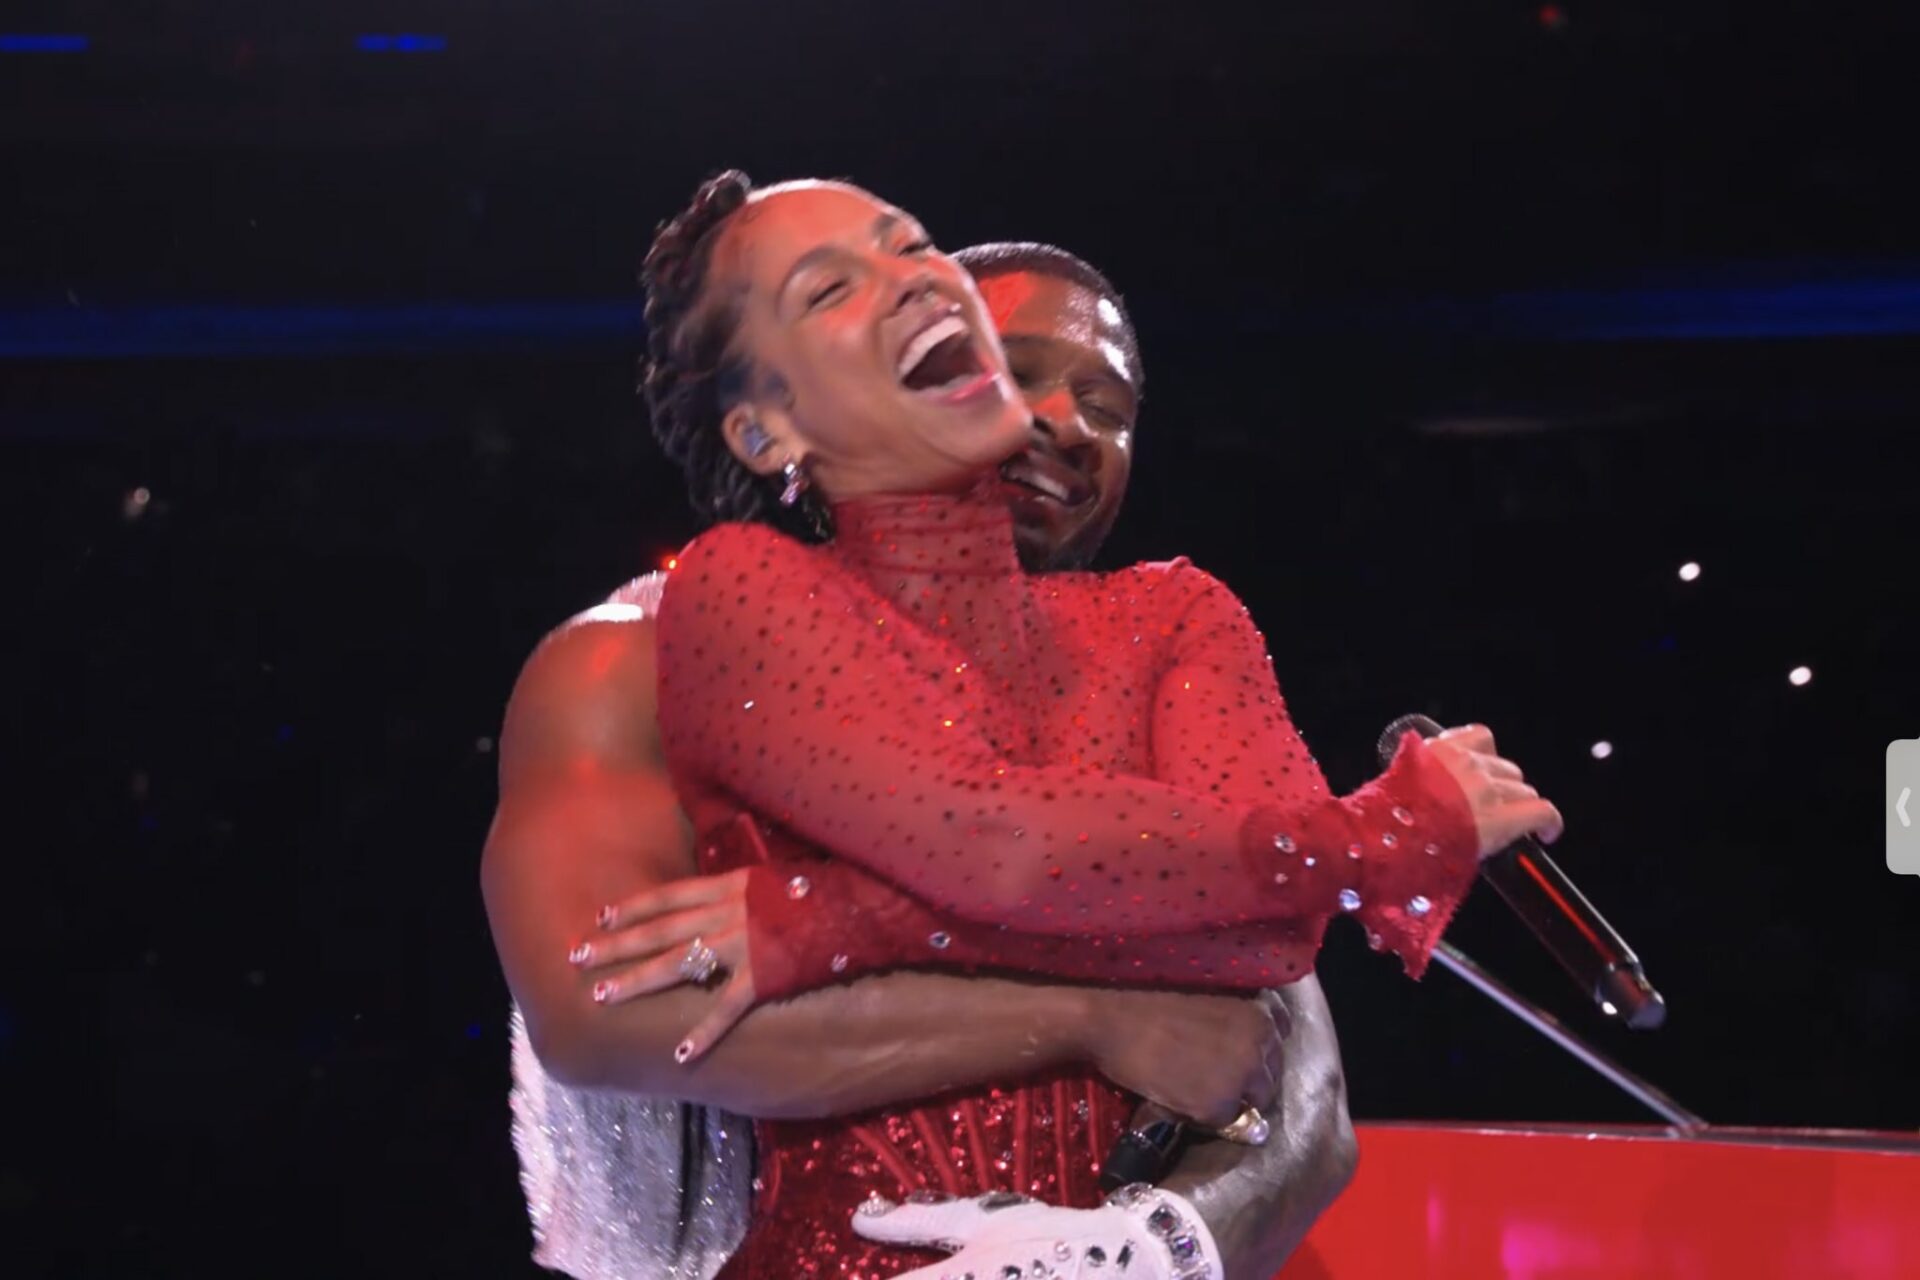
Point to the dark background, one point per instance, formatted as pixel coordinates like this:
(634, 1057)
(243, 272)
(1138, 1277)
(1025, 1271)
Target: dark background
(1466, 325)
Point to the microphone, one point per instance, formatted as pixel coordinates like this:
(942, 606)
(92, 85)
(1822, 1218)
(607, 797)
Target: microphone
(1601, 963)
(1146, 1150)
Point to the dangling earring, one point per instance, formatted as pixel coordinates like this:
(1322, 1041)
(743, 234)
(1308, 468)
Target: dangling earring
(795, 473)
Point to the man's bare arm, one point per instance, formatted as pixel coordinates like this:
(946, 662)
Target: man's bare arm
(1259, 1202)
(587, 815)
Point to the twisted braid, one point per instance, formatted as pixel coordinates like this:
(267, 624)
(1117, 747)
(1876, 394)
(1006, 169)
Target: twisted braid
(691, 375)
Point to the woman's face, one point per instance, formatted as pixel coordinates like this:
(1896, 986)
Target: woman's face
(874, 357)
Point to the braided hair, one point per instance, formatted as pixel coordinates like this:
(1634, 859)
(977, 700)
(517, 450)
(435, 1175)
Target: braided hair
(691, 374)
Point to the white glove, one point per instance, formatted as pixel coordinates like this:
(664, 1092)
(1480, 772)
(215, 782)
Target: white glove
(1142, 1233)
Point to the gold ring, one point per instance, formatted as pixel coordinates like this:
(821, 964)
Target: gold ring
(1249, 1128)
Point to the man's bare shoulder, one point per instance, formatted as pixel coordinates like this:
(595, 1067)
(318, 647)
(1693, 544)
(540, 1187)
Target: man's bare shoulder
(588, 691)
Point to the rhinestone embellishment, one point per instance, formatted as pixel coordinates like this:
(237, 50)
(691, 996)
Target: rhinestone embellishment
(838, 964)
(1284, 844)
(1418, 905)
(1349, 900)
(799, 887)
(940, 941)
(1403, 815)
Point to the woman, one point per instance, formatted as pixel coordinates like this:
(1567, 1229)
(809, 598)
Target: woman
(905, 700)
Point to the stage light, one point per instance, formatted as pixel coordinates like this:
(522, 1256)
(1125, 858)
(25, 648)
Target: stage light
(36, 43)
(483, 745)
(1800, 675)
(401, 44)
(1689, 571)
(1602, 749)
(136, 503)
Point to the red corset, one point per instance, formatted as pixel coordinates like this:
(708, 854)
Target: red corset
(1045, 1138)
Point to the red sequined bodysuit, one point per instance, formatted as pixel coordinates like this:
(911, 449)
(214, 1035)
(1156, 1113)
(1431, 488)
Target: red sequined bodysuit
(1082, 775)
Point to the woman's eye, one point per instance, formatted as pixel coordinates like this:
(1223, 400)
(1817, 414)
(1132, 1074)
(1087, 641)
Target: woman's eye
(825, 293)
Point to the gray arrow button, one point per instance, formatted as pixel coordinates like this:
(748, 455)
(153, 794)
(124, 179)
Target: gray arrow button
(1903, 835)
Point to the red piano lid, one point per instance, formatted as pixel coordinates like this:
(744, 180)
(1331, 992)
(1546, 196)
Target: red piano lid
(1888, 1141)
(1448, 1202)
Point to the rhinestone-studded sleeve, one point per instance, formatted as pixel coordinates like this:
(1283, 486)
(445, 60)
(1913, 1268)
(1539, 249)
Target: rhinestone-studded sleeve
(781, 689)
(1221, 725)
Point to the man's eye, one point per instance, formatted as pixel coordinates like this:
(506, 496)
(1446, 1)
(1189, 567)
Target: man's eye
(825, 293)
(922, 245)
(1102, 414)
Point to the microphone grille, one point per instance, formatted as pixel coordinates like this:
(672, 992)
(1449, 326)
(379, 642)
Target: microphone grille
(1390, 737)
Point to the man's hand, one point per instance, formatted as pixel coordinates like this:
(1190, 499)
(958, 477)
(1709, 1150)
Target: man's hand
(1203, 1057)
(1141, 1234)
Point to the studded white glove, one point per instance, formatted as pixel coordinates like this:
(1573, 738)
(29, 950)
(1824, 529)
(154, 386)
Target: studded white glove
(1141, 1233)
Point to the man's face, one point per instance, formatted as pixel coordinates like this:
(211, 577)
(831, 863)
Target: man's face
(1067, 350)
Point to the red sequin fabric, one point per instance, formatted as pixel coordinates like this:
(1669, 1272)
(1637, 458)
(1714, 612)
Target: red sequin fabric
(931, 758)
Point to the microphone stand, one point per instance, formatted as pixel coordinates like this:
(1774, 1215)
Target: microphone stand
(1681, 1121)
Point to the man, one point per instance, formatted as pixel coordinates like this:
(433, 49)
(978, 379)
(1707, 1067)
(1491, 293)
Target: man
(587, 816)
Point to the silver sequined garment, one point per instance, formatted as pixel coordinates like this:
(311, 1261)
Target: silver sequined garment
(625, 1187)
(620, 1186)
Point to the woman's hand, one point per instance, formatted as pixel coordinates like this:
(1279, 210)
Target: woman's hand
(669, 935)
(1504, 807)
(1200, 1056)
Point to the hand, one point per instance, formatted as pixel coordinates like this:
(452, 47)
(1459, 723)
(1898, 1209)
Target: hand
(1504, 807)
(658, 928)
(1003, 1234)
(1204, 1057)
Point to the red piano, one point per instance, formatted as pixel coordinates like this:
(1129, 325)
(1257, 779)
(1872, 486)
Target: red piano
(1450, 1202)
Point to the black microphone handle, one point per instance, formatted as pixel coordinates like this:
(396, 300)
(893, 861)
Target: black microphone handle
(1146, 1151)
(1567, 925)
(1559, 915)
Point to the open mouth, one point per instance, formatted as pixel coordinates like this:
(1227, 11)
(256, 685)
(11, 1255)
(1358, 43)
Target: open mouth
(941, 359)
(1049, 477)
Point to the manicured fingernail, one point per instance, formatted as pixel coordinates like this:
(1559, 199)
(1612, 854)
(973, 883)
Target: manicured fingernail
(580, 954)
(605, 918)
(683, 1051)
(601, 990)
